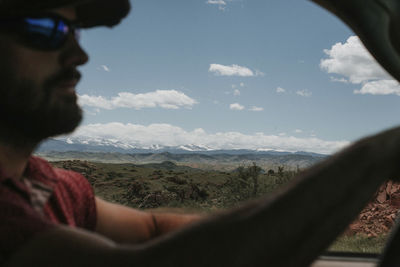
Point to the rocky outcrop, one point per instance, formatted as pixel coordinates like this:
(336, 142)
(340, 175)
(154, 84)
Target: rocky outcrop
(379, 215)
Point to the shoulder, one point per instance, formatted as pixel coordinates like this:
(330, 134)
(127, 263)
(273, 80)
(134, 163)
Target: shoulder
(41, 168)
(73, 195)
(74, 183)
(39, 165)
(70, 189)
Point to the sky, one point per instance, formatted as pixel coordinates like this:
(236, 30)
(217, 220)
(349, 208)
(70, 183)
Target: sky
(233, 74)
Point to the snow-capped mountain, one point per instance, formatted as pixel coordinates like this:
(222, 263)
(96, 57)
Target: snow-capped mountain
(112, 145)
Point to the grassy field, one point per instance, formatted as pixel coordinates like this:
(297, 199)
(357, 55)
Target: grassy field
(169, 186)
(360, 244)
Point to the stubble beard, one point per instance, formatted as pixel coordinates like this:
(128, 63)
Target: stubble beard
(31, 113)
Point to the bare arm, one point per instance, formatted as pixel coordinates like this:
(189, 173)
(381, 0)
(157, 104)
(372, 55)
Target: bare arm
(130, 226)
(300, 221)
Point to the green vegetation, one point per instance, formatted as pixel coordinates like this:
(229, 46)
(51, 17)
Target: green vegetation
(169, 186)
(249, 182)
(160, 185)
(360, 244)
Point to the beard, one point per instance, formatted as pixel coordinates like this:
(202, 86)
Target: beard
(33, 113)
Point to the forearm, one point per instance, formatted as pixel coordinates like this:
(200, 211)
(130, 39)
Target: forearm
(164, 223)
(125, 225)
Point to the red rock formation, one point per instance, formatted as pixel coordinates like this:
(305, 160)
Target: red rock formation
(379, 215)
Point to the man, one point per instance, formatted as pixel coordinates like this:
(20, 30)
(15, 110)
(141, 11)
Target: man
(49, 217)
(38, 74)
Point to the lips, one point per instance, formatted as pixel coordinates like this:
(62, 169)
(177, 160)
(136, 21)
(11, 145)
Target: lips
(67, 85)
(66, 78)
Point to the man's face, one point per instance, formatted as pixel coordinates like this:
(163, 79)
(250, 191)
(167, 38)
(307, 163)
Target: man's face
(37, 88)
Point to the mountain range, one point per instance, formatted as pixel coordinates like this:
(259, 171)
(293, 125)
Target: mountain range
(113, 146)
(193, 156)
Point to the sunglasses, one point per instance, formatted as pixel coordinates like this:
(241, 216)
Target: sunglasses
(43, 32)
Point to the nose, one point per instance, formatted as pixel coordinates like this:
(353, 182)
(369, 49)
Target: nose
(73, 54)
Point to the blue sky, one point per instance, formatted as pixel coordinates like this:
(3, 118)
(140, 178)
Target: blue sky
(277, 74)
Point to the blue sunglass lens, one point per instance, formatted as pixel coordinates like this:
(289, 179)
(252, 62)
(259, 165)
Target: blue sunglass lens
(46, 33)
(43, 26)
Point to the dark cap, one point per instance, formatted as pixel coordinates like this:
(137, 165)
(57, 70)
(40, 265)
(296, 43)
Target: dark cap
(90, 13)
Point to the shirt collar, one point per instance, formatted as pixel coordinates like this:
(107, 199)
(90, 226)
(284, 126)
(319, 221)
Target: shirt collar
(40, 170)
(37, 169)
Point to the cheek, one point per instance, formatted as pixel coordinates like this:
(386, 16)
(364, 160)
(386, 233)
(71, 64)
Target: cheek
(24, 73)
(25, 62)
(35, 66)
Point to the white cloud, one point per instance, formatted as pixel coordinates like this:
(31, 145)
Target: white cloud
(280, 90)
(236, 92)
(168, 99)
(95, 101)
(220, 3)
(242, 84)
(216, 2)
(380, 87)
(236, 106)
(259, 73)
(304, 93)
(134, 135)
(353, 62)
(298, 131)
(104, 68)
(254, 108)
(340, 80)
(232, 70)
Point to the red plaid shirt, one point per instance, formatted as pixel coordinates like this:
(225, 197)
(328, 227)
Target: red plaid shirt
(46, 197)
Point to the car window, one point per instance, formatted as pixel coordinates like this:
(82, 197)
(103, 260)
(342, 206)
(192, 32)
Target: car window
(202, 105)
